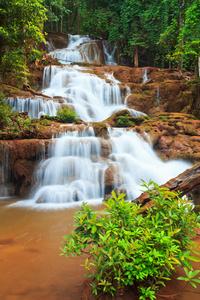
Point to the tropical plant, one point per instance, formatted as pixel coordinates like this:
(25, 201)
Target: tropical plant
(66, 115)
(130, 246)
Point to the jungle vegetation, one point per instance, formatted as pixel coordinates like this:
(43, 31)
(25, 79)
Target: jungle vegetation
(161, 33)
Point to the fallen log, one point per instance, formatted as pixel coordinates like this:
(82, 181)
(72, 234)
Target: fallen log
(27, 87)
(183, 183)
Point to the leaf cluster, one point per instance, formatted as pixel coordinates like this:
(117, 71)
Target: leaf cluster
(127, 246)
(66, 115)
(14, 123)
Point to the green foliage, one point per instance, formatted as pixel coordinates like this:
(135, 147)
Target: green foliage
(15, 63)
(13, 123)
(128, 246)
(66, 115)
(124, 121)
(48, 117)
(21, 26)
(45, 122)
(5, 111)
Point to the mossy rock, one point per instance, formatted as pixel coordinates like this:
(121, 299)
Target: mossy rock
(100, 130)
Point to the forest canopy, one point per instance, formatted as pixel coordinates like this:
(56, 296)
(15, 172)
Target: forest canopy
(161, 33)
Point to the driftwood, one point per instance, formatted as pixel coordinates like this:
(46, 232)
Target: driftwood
(27, 87)
(183, 183)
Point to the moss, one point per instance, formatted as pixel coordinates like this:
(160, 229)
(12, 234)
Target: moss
(147, 93)
(139, 96)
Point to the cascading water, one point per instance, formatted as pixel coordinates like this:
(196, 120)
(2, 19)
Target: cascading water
(158, 96)
(136, 160)
(144, 74)
(109, 53)
(84, 49)
(35, 107)
(75, 171)
(92, 97)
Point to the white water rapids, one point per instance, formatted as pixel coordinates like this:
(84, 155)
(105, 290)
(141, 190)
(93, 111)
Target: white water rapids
(76, 171)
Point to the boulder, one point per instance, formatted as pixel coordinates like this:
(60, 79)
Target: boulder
(112, 176)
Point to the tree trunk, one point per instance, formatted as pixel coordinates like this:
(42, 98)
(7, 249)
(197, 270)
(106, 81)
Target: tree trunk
(136, 57)
(68, 23)
(180, 64)
(181, 24)
(199, 65)
(170, 64)
(61, 23)
(197, 68)
(56, 21)
(78, 20)
(183, 183)
(93, 5)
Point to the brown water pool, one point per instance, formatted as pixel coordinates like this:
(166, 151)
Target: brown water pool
(30, 263)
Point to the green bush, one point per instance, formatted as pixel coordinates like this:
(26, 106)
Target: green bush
(66, 115)
(128, 246)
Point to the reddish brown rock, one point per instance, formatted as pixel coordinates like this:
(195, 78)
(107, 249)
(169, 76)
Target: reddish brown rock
(106, 148)
(183, 183)
(58, 40)
(112, 176)
(23, 171)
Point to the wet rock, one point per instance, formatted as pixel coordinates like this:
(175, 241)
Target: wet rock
(40, 200)
(106, 148)
(100, 130)
(23, 171)
(118, 191)
(112, 176)
(58, 40)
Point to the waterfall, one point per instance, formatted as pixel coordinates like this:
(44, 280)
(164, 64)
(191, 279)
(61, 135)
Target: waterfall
(84, 49)
(136, 160)
(36, 107)
(76, 168)
(74, 172)
(92, 97)
(144, 75)
(49, 46)
(109, 53)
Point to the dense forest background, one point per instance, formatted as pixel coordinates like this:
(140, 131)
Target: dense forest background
(160, 33)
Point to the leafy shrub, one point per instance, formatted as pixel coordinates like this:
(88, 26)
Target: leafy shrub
(14, 123)
(66, 115)
(128, 246)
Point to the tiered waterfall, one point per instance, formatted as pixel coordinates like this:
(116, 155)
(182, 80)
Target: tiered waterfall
(76, 169)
